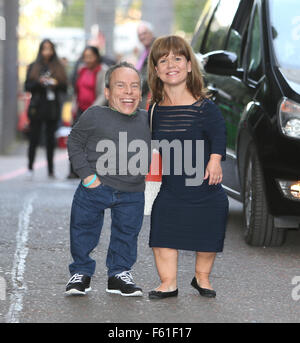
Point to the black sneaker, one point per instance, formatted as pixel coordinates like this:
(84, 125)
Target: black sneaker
(79, 284)
(123, 284)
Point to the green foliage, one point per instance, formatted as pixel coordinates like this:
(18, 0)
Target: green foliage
(187, 13)
(72, 15)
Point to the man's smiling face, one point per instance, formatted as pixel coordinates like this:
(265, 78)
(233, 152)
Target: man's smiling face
(124, 92)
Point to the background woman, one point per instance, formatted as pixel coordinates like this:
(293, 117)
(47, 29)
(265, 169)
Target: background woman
(45, 79)
(185, 217)
(89, 84)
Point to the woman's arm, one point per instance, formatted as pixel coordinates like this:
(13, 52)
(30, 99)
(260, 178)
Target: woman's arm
(216, 131)
(31, 84)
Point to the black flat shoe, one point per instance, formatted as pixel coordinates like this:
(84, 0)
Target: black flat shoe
(205, 292)
(162, 295)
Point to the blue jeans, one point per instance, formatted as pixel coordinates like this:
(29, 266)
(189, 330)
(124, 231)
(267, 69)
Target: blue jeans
(127, 212)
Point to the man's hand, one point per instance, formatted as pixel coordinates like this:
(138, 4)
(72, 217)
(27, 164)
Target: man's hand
(95, 184)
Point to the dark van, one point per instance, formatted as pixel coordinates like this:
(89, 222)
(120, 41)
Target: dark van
(250, 54)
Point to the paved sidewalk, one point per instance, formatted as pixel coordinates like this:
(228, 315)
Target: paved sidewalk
(15, 163)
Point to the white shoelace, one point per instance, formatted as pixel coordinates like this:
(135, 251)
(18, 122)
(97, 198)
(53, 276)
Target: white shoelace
(76, 278)
(126, 277)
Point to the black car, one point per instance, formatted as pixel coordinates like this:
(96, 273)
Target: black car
(250, 54)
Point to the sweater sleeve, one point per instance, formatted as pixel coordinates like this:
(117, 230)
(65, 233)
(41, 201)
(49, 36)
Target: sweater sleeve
(77, 142)
(215, 129)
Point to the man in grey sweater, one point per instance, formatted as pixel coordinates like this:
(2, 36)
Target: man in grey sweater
(102, 149)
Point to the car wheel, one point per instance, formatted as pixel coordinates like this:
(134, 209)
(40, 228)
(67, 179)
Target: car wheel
(259, 223)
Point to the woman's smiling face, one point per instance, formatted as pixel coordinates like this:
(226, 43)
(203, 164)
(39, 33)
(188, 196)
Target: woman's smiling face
(173, 69)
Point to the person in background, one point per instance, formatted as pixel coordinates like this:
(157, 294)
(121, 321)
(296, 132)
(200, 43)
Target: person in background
(46, 79)
(146, 37)
(108, 61)
(186, 216)
(89, 85)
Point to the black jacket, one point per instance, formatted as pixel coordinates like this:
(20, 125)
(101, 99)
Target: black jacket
(42, 105)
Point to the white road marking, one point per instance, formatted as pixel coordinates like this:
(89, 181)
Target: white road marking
(18, 283)
(2, 288)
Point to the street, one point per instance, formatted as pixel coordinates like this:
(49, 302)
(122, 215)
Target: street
(253, 285)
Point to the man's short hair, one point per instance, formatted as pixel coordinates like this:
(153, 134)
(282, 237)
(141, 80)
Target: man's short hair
(123, 64)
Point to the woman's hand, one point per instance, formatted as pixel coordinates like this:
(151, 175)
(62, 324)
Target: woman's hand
(48, 81)
(43, 80)
(95, 184)
(53, 82)
(214, 170)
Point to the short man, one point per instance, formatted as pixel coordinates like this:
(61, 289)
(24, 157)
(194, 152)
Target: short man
(119, 190)
(146, 37)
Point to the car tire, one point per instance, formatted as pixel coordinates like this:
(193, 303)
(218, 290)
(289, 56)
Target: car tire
(259, 223)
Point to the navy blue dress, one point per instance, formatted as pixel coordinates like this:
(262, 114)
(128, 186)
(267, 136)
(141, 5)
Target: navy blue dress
(189, 217)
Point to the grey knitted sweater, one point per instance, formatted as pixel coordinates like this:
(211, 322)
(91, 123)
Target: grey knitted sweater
(113, 145)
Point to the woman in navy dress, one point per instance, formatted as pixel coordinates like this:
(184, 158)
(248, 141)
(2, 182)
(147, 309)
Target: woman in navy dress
(184, 216)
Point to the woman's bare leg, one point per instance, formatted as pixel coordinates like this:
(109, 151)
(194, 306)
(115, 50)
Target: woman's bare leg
(166, 263)
(204, 265)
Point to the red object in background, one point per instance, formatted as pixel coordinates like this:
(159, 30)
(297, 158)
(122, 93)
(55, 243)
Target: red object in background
(62, 142)
(62, 135)
(23, 121)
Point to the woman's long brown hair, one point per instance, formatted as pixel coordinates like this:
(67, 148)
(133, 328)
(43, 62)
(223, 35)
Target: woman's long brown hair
(162, 46)
(55, 66)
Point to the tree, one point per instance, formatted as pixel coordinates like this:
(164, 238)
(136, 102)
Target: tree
(72, 15)
(187, 13)
(160, 14)
(106, 22)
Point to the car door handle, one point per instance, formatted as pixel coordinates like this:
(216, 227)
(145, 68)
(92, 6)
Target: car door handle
(212, 88)
(213, 91)
(216, 91)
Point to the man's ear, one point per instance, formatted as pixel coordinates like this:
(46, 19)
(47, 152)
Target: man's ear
(106, 93)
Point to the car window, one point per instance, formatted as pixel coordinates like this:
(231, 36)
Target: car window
(202, 26)
(219, 26)
(255, 53)
(285, 23)
(234, 42)
(238, 32)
